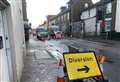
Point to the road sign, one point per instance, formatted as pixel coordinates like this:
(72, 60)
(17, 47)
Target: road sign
(81, 65)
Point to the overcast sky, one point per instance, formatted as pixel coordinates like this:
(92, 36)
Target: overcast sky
(37, 10)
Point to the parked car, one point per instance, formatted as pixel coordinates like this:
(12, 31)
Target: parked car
(55, 32)
(42, 34)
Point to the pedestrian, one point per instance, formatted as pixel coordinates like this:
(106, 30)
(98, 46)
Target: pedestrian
(102, 25)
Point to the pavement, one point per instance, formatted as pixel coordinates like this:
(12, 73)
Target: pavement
(39, 65)
(42, 59)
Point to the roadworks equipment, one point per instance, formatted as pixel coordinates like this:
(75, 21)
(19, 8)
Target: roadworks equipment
(101, 60)
(60, 76)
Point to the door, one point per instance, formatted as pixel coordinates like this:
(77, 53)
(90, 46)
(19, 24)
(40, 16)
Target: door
(4, 73)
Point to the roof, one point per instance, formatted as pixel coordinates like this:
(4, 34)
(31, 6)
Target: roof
(61, 13)
(3, 4)
(49, 17)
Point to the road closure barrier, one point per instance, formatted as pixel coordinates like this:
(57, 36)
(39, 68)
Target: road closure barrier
(81, 65)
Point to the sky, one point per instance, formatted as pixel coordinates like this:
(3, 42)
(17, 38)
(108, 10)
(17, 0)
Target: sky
(37, 10)
(95, 1)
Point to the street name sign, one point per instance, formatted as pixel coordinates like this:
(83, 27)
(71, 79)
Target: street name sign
(81, 65)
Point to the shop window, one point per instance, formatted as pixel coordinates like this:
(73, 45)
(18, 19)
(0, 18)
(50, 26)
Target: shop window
(85, 15)
(109, 8)
(108, 24)
(93, 12)
(99, 15)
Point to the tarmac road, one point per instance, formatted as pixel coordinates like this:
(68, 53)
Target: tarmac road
(41, 66)
(110, 51)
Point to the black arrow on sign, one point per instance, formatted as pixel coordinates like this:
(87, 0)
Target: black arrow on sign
(86, 69)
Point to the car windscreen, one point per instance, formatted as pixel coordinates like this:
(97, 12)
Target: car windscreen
(56, 29)
(41, 30)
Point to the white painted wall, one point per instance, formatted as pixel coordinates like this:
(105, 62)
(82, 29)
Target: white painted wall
(4, 74)
(16, 34)
(11, 56)
(85, 15)
(88, 13)
(90, 20)
(90, 25)
(117, 25)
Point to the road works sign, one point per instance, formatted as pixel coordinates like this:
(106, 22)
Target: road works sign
(81, 65)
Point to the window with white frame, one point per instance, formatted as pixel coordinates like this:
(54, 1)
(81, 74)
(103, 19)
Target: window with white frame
(109, 8)
(68, 16)
(92, 12)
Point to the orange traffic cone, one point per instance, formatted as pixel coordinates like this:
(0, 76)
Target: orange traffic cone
(101, 60)
(60, 76)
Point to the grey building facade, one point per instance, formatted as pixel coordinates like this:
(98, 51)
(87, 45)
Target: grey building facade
(98, 19)
(61, 19)
(76, 7)
(24, 8)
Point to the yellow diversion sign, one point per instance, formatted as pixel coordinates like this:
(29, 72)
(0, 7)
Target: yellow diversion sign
(81, 65)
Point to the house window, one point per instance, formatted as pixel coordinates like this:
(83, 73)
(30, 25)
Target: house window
(58, 18)
(93, 12)
(68, 16)
(64, 17)
(1, 42)
(86, 5)
(109, 8)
